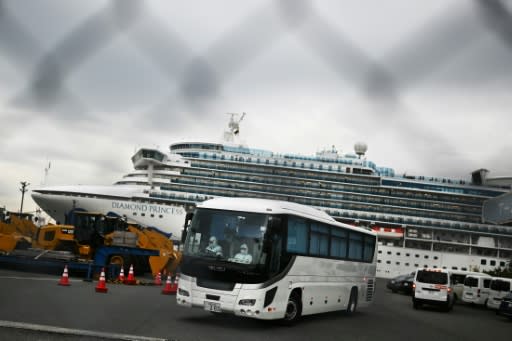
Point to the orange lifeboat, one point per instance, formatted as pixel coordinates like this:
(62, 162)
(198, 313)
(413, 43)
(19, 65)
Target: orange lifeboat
(388, 232)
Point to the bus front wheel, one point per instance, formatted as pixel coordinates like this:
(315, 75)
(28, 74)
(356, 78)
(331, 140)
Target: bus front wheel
(293, 309)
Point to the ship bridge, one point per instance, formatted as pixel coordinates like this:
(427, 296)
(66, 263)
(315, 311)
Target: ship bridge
(498, 210)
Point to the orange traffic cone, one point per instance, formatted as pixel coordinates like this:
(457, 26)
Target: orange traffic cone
(121, 275)
(102, 286)
(64, 280)
(131, 278)
(158, 279)
(169, 288)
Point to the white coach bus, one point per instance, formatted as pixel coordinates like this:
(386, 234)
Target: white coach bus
(270, 259)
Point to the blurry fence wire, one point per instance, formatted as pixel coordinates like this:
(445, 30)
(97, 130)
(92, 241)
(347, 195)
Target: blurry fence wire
(200, 76)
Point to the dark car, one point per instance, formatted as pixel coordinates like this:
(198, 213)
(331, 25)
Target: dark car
(505, 308)
(402, 283)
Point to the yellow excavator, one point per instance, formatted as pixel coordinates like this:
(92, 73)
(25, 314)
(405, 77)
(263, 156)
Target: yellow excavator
(16, 231)
(93, 237)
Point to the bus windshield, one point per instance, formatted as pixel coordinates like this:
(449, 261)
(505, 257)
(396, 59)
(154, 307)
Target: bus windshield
(227, 235)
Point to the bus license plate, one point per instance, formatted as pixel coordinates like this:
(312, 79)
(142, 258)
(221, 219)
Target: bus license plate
(212, 306)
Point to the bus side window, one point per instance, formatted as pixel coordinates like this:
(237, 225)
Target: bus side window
(297, 241)
(355, 248)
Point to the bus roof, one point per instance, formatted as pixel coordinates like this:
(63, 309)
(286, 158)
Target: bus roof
(268, 206)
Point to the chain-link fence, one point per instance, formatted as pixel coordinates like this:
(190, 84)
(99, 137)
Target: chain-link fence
(193, 79)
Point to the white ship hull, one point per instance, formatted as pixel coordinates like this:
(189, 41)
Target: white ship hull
(166, 218)
(404, 260)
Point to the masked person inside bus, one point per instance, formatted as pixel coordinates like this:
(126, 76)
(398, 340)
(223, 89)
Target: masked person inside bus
(243, 256)
(213, 247)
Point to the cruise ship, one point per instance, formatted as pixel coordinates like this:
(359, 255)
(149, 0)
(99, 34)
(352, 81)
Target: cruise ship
(421, 221)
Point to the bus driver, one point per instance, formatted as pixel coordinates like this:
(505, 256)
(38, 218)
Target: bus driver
(213, 247)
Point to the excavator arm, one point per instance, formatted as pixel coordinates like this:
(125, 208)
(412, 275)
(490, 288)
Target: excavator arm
(169, 258)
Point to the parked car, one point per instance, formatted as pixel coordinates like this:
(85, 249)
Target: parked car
(402, 283)
(476, 289)
(498, 289)
(407, 285)
(433, 287)
(505, 308)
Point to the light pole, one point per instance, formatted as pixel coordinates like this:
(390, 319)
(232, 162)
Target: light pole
(23, 189)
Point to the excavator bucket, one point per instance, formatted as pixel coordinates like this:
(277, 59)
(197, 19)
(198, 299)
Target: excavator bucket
(167, 262)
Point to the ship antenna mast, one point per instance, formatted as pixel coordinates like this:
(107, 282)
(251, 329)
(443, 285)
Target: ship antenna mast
(46, 169)
(233, 127)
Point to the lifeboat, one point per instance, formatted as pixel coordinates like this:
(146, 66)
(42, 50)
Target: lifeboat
(388, 232)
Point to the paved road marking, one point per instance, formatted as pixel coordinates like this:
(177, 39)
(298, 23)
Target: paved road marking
(79, 332)
(56, 279)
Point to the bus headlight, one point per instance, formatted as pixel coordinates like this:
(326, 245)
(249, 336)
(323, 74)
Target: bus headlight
(183, 292)
(247, 302)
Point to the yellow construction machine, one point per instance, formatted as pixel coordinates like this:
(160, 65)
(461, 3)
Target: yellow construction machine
(95, 238)
(16, 231)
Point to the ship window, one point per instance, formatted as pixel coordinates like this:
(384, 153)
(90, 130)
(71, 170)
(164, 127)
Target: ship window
(483, 262)
(455, 268)
(407, 264)
(143, 214)
(379, 261)
(407, 254)
(464, 269)
(388, 262)
(493, 263)
(398, 253)
(425, 266)
(435, 257)
(134, 213)
(435, 266)
(417, 256)
(389, 252)
(152, 215)
(397, 263)
(426, 256)
(380, 251)
(444, 267)
(416, 265)
(502, 263)
(160, 216)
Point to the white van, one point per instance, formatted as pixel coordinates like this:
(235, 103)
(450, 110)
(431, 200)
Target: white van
(499, 288)
(433, 287)
(476, 289)
(457, 278)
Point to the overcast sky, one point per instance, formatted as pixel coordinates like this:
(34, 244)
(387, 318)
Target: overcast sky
(83, 84)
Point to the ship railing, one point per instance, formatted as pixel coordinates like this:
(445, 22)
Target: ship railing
(335, 195)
